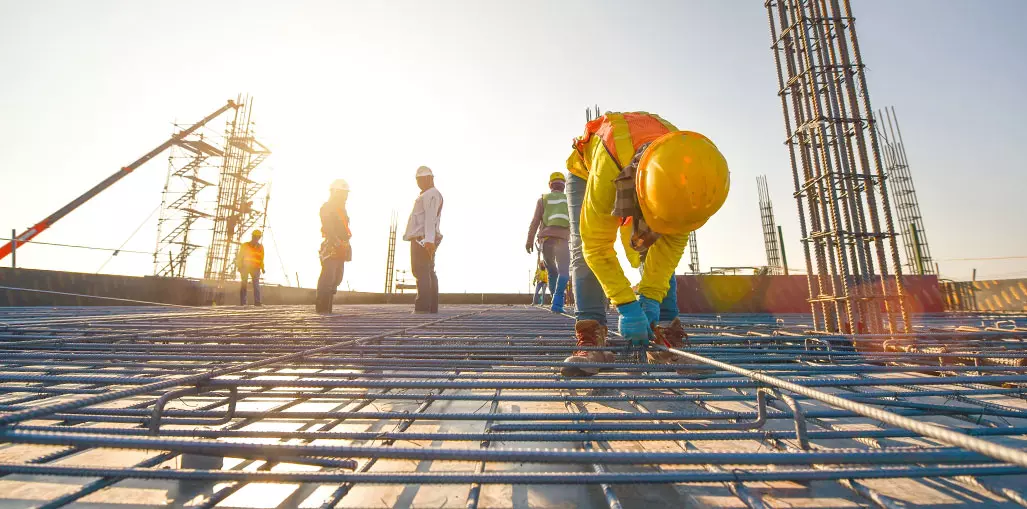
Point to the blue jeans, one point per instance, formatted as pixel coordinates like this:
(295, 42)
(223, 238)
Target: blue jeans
(243, 276)
(540, 292)
(669, 307)
(556, 258)
(590, 300)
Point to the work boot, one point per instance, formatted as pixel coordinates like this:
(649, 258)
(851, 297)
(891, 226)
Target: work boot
(589, 333)
(674, 336)
(322, 305)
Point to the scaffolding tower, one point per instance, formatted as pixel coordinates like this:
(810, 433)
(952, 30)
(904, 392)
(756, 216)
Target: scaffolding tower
(693, 252)
(774, 264)
(239, 184)
(390, 260)
(844, 214)
(896, 166)
(193, 163)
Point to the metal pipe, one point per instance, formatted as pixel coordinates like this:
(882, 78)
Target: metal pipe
(890, 456)
(334, 476)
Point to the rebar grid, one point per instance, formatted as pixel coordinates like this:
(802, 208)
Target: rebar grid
(840, 189)
(335, 407)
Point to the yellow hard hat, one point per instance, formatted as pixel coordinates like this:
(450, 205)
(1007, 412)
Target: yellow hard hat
(555, 176)
(682, 180)
(258, 233)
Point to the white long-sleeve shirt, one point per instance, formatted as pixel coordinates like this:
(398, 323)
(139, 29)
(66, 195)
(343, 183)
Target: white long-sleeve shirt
(424, 219)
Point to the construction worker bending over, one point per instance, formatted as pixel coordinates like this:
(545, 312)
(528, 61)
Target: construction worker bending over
(551, 212)
(541, 281)
(424, 236)
(250, 263)
(335, 248)
(636, 173)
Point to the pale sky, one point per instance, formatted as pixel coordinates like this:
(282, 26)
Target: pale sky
(489, 95)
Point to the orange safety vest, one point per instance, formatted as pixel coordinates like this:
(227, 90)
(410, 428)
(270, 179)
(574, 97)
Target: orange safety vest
(341, 212)
(622, 134)
(251, 257)
(338, 249)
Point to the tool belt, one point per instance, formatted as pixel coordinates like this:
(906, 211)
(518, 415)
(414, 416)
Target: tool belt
(336, 250)
(626, 205)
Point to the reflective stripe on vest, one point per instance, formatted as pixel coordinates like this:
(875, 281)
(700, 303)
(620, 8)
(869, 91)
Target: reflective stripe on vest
(252, 256)
(556, 212)
(345, 220)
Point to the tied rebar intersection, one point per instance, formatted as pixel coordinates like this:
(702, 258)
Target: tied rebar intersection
(280, 407)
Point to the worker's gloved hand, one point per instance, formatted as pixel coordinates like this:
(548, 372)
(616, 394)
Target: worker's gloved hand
(651, 308)
(633, 324)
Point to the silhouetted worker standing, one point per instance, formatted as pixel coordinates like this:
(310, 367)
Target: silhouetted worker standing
(250, 263)
(424, 236)
(541, 282)
(335, 249)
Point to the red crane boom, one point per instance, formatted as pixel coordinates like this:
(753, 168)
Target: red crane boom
(29, 234)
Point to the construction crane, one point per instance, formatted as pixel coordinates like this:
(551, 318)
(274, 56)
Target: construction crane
(39, 227)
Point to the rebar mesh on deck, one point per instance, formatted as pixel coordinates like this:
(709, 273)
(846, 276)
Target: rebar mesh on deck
(374, 406)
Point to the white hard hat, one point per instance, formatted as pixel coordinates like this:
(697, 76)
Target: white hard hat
(340, 185)
(424, 171)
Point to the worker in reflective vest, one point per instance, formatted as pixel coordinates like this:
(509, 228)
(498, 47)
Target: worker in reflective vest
(250, 264)
(637, 174)
(552, 215)
(335, 248)
(541, 281)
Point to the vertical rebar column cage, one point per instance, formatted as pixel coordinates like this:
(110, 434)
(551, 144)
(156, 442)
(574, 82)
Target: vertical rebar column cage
(390, 257)
(238, 186)
(693, 252)
(896, 165)
(769, 226)
(845, 218)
